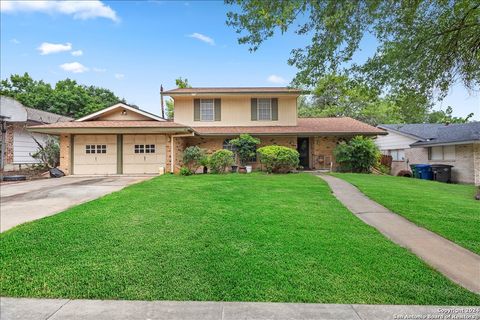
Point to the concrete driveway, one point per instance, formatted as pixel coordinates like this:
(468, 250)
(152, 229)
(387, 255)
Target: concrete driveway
(26, 201)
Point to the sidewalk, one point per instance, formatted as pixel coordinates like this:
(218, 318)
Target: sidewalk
(456, 263)
(55, 309)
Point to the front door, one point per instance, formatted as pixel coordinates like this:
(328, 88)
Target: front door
(303, 148)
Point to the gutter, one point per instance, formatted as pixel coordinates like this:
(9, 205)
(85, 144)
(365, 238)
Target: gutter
(172, 153)
(433, 144)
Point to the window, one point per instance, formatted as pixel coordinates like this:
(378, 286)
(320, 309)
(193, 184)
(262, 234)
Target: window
(99, 148)
(397, 155)
(139, 148)
(207, 110)
(264, 109)
(441, 153)
(150, 148)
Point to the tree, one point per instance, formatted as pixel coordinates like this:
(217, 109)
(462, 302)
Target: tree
(67, 97)
(422, 45)
(170, 108)
(182, 83)
(246, 147)
(340, 96)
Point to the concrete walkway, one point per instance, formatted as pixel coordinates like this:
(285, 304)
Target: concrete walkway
(456, 263)
(31, 200)
(56, 309)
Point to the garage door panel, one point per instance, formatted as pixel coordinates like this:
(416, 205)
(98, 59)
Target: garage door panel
(138, 163)
(95, 163)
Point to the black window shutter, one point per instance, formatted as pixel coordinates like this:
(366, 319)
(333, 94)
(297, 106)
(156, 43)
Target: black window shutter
(196, 109)
(254, 109)
(218, 109)
(274, 109)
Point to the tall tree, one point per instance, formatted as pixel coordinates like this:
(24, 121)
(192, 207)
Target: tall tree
(180, 83)
(424, 46)
(67, 97)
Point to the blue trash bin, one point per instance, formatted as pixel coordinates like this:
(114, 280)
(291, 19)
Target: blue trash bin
(424, 171)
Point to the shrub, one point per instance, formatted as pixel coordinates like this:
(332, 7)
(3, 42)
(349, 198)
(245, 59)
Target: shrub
(192, 157)
(278, 159)
(184, 171)
(48, 153)
(220, 160)
(245, 147)
(360, 154)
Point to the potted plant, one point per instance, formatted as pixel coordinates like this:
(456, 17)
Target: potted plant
(246, 148)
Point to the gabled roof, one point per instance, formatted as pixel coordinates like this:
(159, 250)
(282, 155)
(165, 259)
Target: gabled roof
(305, 126)
(14, 111)
(421, 131)
(123, 106)
(232, 90)
(453, 134)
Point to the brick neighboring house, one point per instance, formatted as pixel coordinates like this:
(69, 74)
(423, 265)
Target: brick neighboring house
(125, 140)
(455, 144)
(20, 143)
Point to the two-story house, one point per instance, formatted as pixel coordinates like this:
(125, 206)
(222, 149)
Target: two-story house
(125, 140)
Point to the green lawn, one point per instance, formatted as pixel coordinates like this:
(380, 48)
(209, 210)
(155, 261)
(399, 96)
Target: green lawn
(447, 209)
(235, 237)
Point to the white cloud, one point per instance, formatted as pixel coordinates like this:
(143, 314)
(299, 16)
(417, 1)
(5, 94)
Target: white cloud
(82, 10)
(119, 76)
(15, 41)
(276, 79)
(99, 69)
(202, 37)
(77, 53)
(75, 67)
(47, 48)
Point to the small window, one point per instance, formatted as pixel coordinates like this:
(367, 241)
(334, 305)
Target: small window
(441, 153)
(207, 110)
(139, 148)
(397, 155)
(264, 109)
(89, 148)
(150, 148)
(101, 148)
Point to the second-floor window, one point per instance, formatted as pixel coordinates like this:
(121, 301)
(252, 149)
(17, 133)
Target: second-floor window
(207, 110)
(264, 109)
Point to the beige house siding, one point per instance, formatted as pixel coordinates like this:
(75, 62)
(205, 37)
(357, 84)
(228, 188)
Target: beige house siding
(463, 170)
(236, 111)
(116, 114)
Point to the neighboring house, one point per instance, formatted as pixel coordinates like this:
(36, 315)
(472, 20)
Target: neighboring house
(125, 140)
(19, 143)
(454, 144)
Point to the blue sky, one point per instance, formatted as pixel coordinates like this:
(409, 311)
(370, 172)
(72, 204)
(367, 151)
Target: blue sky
(131, 47)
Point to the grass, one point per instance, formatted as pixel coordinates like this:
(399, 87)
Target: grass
(232, 238)
(446, 209)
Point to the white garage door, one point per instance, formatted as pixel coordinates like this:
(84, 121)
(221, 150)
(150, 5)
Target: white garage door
(144, 153)
(95, 154)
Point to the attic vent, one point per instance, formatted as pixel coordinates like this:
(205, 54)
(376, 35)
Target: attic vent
(124, 112)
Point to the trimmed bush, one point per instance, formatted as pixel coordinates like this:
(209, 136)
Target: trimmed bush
(360, 154)
(245, 147)
(192, 157)
(278, 159)
(220, 160)
(184, 171)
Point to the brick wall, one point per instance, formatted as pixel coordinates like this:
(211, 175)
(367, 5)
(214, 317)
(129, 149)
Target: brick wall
(65, 154)
(8, 158)
(462, 170)
(412, 156)
(322, 152)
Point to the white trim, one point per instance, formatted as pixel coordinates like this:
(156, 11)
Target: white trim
(444, 144)
(120, 105)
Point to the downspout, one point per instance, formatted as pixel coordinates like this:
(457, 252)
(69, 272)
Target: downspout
(172, 153)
